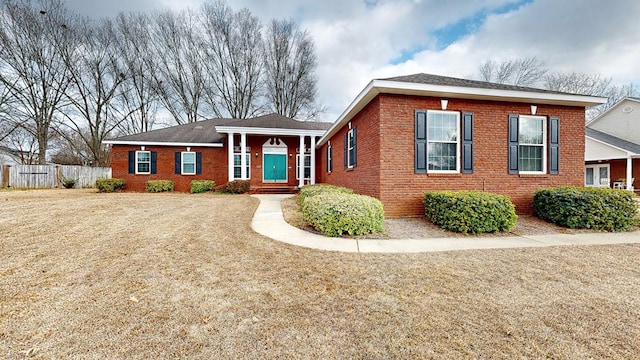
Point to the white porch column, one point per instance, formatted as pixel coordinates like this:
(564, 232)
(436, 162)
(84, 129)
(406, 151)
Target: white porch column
(243, 156)
(629, 172)
(301, 163)
(313, 159)
(230, 154)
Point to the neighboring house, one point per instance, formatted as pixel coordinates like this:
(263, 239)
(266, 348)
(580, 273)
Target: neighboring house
(264, 150)
(400, 137)
(406, 135)
(612, 146)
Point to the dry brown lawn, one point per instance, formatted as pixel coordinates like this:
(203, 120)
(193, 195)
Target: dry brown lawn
(133, 275)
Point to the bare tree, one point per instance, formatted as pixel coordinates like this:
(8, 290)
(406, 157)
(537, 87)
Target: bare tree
(32, 40)
(290, 63)
(137, 100)
(180, 79)
(521, 72)
(590, 84)
(96, 77)
(233, 41)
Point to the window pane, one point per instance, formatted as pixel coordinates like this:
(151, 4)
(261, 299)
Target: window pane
(442, 156)
(589, 176)
(188, 168)
(443, 127)
(530, 158)
(189, 157)
(144, 156)
(604, 172)
(143, 167)
(530, 131)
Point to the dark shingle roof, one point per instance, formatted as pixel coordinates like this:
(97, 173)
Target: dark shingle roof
(201, 132)
(451, 81)
(613, 140)
(204, 132)
(277, 121)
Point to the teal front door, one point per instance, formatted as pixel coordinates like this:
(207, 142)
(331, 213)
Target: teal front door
(275, 167)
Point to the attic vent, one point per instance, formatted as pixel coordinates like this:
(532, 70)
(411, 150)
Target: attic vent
(627, 109)
(199, 127)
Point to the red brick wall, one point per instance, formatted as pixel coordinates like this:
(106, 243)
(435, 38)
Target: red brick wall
(214, 163)
(364, 178)
(401, 190)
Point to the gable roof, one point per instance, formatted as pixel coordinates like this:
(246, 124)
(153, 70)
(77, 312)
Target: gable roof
(449, 87)
(611, 109)
(613, 140)
(210, 133)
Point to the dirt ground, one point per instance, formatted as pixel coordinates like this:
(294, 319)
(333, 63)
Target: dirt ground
(421, 228)
(133, 275)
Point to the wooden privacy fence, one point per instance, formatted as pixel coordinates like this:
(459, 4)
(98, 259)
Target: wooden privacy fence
(50, 176)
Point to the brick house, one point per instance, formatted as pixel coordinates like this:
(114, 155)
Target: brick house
(400, 137)
(265, 150)
(612, 147)
(406, 135)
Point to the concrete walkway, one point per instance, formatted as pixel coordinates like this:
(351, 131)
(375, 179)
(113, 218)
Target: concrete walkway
(268, 221)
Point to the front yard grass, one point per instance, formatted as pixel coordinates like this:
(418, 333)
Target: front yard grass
(136, 275)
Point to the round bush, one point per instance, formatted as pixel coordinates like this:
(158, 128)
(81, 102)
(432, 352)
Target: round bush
(337, 214)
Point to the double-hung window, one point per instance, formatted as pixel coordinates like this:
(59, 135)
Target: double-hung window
(532, 145)
(329, 158)
(307, 166)
(443, 149)
(188, 163)
(143, 162)
(237, 165)
(351, 148)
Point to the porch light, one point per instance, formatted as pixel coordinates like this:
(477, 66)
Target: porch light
(534, 109)
(444, 103)
(290, 155)
(256, 154)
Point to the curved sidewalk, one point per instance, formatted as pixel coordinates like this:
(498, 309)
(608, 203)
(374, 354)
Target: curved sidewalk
(269, 221)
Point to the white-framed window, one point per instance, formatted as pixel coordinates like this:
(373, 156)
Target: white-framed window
(143, 162)
(443, 141)
(329, 159)
(188, 163)
(307, 166)
(597, 175)
(351, 148)
(532, 145)
(237, 165)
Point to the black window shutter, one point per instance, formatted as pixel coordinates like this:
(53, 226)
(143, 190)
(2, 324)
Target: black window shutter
(132, 162)
(178, 156)
(554, 145)
(198, 163)
(513, 144)
(346, 148)
(154, 158)
(467, 143)
(421, 142)
(355, 137)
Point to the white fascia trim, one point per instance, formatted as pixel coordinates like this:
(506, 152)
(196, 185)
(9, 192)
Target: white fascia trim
(376, 87)
(268, 131)
(156, 143)
(629, 153)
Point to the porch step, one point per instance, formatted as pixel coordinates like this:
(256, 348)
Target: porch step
(275, 190)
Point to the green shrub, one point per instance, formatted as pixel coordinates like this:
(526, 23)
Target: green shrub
(109, 185)
(159, 185)
(591, 208)
(237, 187)
(308, 191)
(68, 183)
(470, 211)
(337, 214)
(200, 186)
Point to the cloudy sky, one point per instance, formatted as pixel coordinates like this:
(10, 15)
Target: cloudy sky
(360, 40)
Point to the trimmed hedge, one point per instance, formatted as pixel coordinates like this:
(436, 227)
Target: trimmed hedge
(338, 213)
(109, 185)
(237, 187)
(308, 191)
(158, 186)
(470, 211)
(590, 208)
(200, 186)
